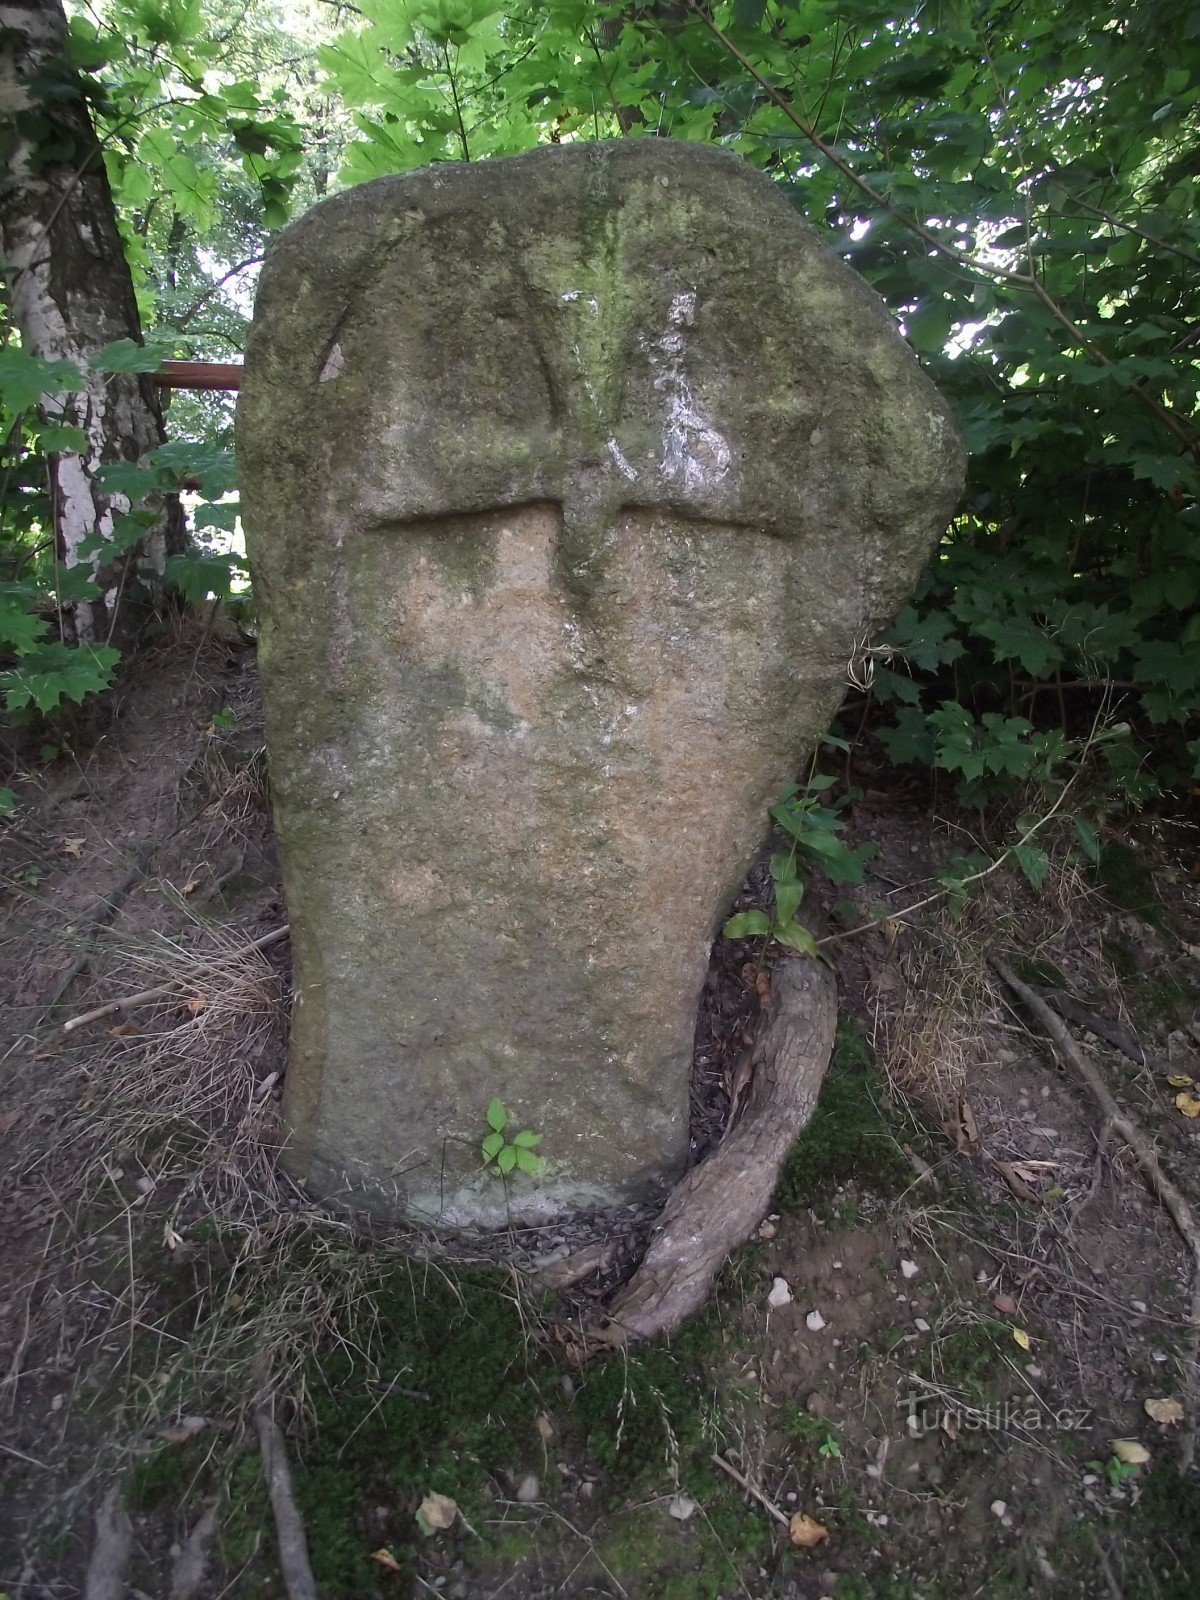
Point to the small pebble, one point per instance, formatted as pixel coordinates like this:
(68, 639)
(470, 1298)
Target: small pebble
(999, 1508)
(814, 1321)
(529, 1490)
(909, 1269)
(921, 1325)
(780, 1295)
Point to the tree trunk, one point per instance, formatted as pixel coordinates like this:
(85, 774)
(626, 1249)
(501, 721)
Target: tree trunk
(70, 292)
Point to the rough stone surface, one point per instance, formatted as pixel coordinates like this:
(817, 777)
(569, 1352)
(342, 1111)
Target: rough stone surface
(572, 482)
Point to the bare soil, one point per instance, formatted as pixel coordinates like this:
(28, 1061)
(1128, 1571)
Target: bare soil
(963, 1294)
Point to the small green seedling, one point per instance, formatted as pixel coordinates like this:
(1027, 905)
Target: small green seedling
(813, 829)
(503, 1156)
(831, 1450)
(1117, 1472)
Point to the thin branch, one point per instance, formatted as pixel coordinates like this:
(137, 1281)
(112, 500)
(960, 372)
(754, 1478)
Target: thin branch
(1132, 227)
(1165, 1191)
(144, 997)
(250, 261)
(458, 116)
(744, 1483)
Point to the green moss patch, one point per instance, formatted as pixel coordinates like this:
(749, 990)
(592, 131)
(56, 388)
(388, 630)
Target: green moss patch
(850, 1137)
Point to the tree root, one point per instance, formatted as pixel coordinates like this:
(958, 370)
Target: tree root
(718, 1204)
(289, 1527)
(187, 1576)
(1165, 1191)
(110, 1550)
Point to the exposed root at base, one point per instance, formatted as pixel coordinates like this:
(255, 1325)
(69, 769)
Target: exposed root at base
(718, 1204)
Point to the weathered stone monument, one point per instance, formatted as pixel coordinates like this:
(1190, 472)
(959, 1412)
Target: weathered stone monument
(572, 482)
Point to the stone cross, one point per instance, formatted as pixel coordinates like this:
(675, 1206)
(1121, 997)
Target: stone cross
(573, 481)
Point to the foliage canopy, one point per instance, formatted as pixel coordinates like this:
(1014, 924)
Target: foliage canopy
(1018, 183)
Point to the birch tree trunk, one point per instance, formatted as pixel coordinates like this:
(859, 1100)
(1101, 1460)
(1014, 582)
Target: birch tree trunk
(70, 292)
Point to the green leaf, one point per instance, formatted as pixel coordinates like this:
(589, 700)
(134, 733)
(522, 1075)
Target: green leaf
(51, 673)
(507, 1159)
(525, 1140)
(60, 439)
(201, 575)
(215, 467)
(8, 801)
(1089, 843)
(783, 867)
(528, 1162)
(129, 479)
(124, 355)
(492, 1146)
(223, 515)
(75, 584)
(747, 924)
(24, 379)
(20, 627)
(788, 896)
(1033, 862)
(497, 1116)
(796, 937)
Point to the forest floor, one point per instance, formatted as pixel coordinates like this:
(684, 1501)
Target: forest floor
(963, 1295)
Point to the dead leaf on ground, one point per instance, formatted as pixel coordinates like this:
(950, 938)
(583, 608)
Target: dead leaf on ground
(806, 1531)
(123, 1030)
(190, 887)
(763, 984)
(1005, 1304)
(1188, 1104)
(1020, 1179)
(180, 1432)
(964, 1127)
(436, 1513)
(9, 1121)
(1168, 1412)
(1022, 1338)
(386, 1559)
(72, 847)
(1131, 1451)
(197, 1004)
(1178, 1081)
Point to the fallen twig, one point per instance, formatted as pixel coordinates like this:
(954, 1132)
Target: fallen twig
(130, 1002)
(1172, 1200)
(289, 1527)
(757, 1494)
(1113, 1033)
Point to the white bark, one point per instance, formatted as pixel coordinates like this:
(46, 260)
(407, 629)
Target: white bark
(71, 293)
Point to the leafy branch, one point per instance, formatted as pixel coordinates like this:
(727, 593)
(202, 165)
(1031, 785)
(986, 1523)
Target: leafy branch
(993, 269)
